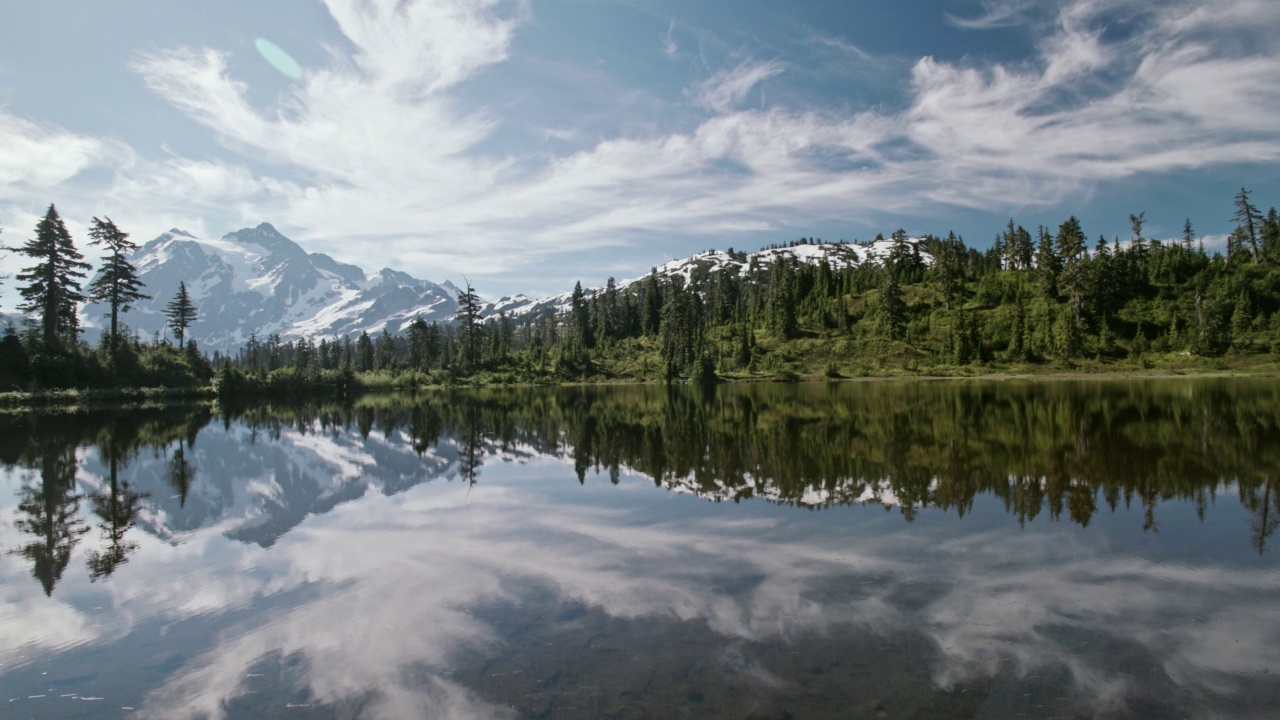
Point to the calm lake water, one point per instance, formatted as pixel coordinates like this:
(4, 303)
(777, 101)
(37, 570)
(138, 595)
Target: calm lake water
(1096, 548)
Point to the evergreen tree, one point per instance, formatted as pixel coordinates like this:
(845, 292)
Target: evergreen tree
(1075, 272)
(782, 299)
(1017, 341)
(893, 310)
(1271, 236)
(947, 261)
(1071, 241)
(1047, 266)
(180, 313)
(117, 283)
(1248, 221)
(651, 318)
(1139, 243)
(470, 326)
(384, 351)
(364, 352)
(579, 317)
(53, 287)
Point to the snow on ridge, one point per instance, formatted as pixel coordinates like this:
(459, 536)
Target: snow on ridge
(259, 281)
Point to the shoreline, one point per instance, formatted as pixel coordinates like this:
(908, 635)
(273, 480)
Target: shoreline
(76, 399)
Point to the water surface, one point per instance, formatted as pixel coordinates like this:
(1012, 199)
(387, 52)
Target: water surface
(953, 549)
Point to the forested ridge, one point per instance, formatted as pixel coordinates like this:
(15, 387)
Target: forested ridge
(1044, 300)
(1050, 300)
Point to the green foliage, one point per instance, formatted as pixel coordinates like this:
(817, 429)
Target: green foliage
(52, 289)
(117, 283)
(180, 312)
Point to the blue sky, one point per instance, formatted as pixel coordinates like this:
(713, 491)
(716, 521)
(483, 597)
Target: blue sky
(529, 144)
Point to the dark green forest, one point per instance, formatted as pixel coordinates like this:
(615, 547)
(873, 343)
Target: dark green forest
(1046, 451)
(1051, 300)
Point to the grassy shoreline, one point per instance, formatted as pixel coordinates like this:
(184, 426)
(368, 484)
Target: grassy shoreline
(72, 399)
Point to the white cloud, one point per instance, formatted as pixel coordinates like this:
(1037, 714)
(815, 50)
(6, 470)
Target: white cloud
(669, 45)
(995, 14)
(35, 157)
(376, 159)
(724, 90)
(378, 596)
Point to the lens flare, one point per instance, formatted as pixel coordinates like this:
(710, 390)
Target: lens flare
(279, 59)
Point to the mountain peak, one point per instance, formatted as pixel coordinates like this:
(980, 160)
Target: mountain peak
(179, 232)
(268, 238)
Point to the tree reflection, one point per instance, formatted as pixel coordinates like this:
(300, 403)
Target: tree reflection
(50, 512)
(1061, 450)
(1264, 503)
(179, 472)
(117, 509)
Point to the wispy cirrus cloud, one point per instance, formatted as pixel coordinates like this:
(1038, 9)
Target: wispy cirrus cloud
(36, 156)
(995, 14)
(724, 90)
(669, 45)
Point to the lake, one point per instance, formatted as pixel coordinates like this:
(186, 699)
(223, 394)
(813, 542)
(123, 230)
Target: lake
(1065, 548)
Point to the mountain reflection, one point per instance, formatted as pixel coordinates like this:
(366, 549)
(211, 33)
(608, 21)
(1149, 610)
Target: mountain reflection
(1061, 449)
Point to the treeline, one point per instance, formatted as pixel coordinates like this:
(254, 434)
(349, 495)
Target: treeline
(1049, 298)
(1044, 299)
(48, 352)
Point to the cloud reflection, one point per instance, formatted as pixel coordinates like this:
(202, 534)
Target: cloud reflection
(377, 603)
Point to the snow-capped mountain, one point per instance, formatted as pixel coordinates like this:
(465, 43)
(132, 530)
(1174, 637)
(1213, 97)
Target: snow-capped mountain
(258, 281)
(837, 255)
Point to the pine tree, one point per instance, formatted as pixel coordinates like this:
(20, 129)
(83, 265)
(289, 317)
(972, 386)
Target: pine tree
(1071, 241)
(117, 283)
(893, 310)
(53, 287)
(1271, 236)
(364, 352)
(180, 313)
(651, 318)
(1075, 273)
(782, 299)
(470, 325)
(1249, 221)
(1047, 266)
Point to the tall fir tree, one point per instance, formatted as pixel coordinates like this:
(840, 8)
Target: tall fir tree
(893, 310)
(53, 283)
(470, 325)
(117, 283)
(180, 313)
(1047, 266)
(1248, 222)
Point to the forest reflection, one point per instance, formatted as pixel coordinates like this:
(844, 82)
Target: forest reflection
(1060, 449)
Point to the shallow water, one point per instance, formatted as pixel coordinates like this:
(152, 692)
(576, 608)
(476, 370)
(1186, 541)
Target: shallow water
(949, 549)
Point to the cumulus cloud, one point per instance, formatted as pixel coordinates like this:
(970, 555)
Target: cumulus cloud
(376, 157)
